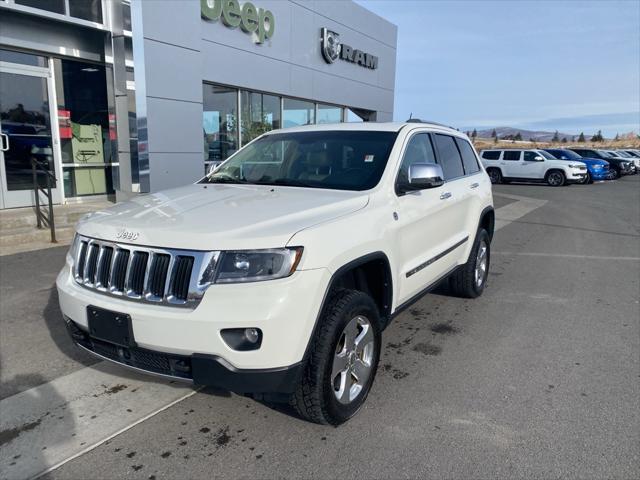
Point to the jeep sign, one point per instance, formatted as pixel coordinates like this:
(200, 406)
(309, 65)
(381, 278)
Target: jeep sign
(332, 49)
(256, 21)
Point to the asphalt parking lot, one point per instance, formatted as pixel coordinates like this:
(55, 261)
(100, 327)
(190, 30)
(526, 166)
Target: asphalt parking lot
(538, 378)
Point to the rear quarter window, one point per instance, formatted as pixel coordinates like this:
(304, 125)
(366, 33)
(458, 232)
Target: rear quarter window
(511, 155)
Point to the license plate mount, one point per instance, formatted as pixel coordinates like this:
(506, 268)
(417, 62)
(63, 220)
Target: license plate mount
(110, 326)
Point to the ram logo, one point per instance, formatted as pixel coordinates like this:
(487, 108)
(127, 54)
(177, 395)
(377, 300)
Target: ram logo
(330, 45)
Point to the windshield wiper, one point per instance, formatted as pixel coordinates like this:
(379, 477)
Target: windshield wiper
(224, 180)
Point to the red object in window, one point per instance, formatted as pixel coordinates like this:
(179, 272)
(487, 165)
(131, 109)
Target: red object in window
(112, 127)
(64, 123)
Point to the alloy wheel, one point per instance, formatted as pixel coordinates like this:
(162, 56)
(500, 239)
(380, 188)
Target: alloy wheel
(481, 264)
(353, 360)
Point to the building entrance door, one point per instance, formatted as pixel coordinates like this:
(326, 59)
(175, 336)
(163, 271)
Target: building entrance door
(26, 113)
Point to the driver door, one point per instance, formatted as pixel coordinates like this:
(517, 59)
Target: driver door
(532, 168)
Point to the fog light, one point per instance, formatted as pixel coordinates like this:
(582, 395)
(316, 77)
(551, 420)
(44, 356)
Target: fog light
(252, 335)
(242, 339)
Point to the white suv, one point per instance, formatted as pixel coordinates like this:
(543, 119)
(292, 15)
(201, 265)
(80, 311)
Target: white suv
(277, 272)
(504, 165)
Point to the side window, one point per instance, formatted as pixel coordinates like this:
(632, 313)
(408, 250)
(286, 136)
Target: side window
(468, 157)
(511, 155)
(449, 157)
(491, 155)
(530, 156)
(419, 150)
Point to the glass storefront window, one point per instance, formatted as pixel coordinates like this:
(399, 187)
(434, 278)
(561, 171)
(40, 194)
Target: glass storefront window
(23, 58)
(126, 15)
(219, 122)
(86, 127)
(260, 113)
(298, 112)
(86, 9)
(329, 113)
(55, 6)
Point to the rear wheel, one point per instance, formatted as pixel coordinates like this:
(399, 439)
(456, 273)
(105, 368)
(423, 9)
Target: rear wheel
(343, 360)
(555, 178)
(470, 279)
(494, 175)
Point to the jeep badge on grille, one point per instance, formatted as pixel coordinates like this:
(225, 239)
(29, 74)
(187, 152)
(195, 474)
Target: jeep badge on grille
(124, 234)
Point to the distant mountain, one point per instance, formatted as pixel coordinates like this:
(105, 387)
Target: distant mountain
(538, 136)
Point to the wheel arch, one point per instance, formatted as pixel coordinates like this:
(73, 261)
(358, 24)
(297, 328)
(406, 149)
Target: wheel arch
(351, 275)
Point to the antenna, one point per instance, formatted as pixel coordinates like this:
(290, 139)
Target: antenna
(410, 115)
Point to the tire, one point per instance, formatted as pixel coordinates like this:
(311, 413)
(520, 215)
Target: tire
(469, 281)
(320, 398)
(613, 174)
(555, 178)
(588, 180)
(495, 175)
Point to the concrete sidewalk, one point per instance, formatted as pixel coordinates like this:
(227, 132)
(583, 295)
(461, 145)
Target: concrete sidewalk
(19, 231)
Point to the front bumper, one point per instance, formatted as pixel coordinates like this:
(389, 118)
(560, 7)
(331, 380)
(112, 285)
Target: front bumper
(576, 176)
(600, 174)
(285, 310)
(200, 369)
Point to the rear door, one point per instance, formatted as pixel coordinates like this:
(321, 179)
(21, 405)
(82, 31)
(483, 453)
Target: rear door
(511, 163)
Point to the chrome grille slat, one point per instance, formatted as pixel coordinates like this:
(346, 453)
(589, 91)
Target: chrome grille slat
(169, 277)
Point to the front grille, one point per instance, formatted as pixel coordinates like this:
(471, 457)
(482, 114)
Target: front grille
(582, 167)
(149, 360)
(164, 276)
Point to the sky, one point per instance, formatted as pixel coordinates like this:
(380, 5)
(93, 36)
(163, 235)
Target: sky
(567, 65)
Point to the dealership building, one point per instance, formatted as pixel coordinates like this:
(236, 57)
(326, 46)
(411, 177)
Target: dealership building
(122, 97)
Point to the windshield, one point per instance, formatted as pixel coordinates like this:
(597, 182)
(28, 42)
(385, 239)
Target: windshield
(605, 154)
(622, 154)
(342, 160)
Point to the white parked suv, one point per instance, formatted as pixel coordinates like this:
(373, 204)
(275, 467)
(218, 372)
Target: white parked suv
(504, 165)
(275, 274)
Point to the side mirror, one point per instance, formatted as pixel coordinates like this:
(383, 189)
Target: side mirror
(423, 176)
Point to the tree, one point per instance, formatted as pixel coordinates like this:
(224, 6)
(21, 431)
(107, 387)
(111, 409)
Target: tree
(581, 138)
(518, 137)
(597, 137)
(617, 137)
(474, 134)
(494, 134)
(555, 138)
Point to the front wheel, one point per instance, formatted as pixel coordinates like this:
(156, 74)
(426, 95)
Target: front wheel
(556, 178)
(470, 279)
(343, 360)
(588, 179)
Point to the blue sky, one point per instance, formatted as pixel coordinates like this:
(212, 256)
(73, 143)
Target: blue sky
(567, 65)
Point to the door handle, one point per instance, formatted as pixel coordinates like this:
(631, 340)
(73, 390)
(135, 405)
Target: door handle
(4, 146)
(445, 195)
(475, 185)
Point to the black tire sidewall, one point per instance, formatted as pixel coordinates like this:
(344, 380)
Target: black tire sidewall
(498, 175)
(336, 412)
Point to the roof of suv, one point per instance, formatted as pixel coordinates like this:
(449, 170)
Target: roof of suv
(367, 126)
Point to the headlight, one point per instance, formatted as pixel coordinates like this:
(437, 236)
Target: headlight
(253, 265)
(71, 254)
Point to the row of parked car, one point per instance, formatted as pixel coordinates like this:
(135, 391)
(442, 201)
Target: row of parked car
(559, 166)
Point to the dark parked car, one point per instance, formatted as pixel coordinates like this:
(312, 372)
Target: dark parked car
(617, 165)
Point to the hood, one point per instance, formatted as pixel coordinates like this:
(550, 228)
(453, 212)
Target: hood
(219, 216)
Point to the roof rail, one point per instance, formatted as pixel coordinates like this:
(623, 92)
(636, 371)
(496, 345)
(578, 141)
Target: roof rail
(417, 120)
